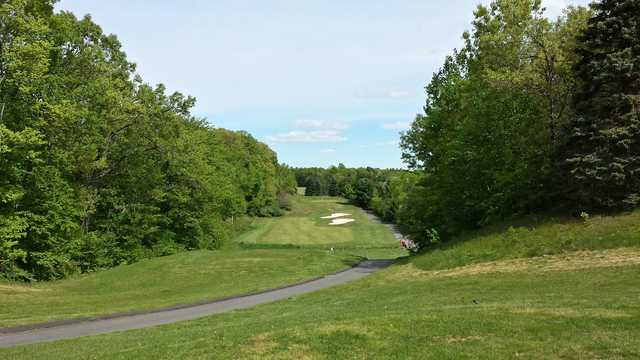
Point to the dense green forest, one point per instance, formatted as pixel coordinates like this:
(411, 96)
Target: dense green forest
(98, 168)
(529, 115)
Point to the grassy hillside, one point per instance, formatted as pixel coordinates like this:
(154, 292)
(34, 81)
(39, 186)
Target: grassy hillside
(573, 305)
(535, 236)
(199, 275)
(155, 283)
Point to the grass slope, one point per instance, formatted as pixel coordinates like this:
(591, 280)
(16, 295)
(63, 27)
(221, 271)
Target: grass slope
(573, 305)
(194, 276)
(535, 236)
(155, 283)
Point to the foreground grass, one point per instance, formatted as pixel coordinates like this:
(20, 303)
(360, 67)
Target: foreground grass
(573, 305)
(497, 302)
(589, 309)
(304, 227)
(155, 283)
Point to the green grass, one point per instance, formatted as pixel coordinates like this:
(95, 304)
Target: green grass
(201, 275)
(403, 313)
(155, 283)
(535, 236)
(305, 228)
(487, 297)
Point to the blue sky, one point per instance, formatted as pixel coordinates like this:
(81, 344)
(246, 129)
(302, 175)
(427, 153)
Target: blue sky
(321, 82)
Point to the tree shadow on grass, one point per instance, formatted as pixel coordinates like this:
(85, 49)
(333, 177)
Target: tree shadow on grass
(353, 260)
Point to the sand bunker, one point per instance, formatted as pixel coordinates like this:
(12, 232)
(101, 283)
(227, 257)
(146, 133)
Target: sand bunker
(341, 221)
(339, 218)
(336, 215)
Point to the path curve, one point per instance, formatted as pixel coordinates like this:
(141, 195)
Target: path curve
(73, 329)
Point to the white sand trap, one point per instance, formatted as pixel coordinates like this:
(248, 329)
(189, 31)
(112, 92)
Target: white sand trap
(341, 221)
(335, 215)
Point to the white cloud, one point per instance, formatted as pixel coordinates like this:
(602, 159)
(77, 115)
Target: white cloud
(328, 151)
(315, 136)
(313, 131)
(398, 125)
(320, 124)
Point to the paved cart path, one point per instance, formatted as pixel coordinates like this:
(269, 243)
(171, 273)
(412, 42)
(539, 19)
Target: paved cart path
(78, 328)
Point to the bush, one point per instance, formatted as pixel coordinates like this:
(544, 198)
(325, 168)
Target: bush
(284, 201)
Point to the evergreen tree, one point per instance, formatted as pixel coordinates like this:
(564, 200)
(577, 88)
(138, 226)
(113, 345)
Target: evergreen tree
(313, 188)
(334, 189)
(603, 154)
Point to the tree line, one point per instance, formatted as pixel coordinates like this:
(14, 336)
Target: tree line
(98, 168)
(383, 191)
(530, 114)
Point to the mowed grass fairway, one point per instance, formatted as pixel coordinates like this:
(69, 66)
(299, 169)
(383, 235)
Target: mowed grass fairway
(207, 275)
(305, 228)
(581, 303)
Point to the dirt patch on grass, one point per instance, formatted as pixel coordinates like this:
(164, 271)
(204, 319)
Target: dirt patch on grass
(564, 262)
(456, 339)
(300, 352)
(263, 346)
(260, 345)
(573, 313)
(18, 289)
(353, 328)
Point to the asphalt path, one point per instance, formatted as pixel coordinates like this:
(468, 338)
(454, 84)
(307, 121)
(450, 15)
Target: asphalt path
(78, 328)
